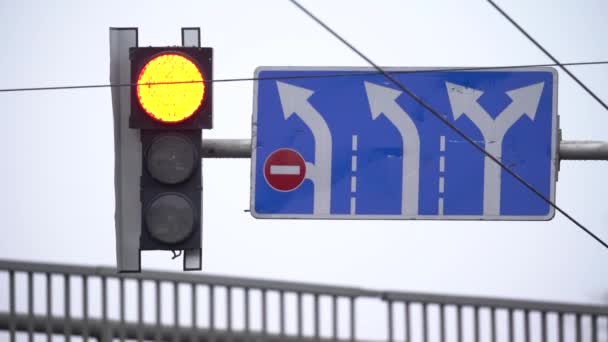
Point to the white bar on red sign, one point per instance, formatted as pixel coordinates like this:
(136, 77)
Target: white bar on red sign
(284, 169)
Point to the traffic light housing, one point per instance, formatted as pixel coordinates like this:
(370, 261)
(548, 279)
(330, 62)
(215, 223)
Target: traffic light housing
(171, 103)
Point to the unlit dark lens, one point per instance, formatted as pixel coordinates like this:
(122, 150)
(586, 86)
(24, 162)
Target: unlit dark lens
(171, 159)
(170, 218)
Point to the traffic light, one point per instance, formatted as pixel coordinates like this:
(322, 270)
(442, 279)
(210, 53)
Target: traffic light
(170, 104)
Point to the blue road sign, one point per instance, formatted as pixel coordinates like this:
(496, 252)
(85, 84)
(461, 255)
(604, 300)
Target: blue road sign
(346, 143)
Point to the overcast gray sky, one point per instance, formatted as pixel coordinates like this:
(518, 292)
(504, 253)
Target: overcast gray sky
(58, 202)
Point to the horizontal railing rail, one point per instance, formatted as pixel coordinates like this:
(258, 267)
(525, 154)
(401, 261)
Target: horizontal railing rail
(103, 331)
(190, 278)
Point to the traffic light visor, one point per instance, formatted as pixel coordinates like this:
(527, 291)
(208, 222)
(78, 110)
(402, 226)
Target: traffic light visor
(170, 87)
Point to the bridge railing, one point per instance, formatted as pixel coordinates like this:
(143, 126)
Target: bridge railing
(460, 318)
(103, 302)
(66, 300)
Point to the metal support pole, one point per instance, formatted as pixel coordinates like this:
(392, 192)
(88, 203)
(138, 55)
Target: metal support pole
(568, 150)
(226, 148)
(583, 150)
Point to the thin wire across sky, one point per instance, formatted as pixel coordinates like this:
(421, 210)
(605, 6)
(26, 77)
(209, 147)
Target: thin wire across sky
(388, 74)
(349, 74)
(548, 54)
(442, 118)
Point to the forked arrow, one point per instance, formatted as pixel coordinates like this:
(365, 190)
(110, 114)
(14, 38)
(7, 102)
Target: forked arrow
(463, 100)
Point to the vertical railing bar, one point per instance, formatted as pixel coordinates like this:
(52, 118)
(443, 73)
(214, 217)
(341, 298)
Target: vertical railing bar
(66, 308)
(594, 332)
(527, 325)
(299, 308)
(11, 298)
(317, 317)
(282, 313)
(193, 307)
(211, 308)
(389, 315)
(158, 323)
(353, 319)
(560, 326)
(229, 308)
(334, 316)
(578, 327)
(425, 328)
(104, 304)
(441, 323)
(121, 295)
(246, 306)
(140, 309)
(476, 323)
(406, 320)
(543, 326)
(175, 311)
(30, 306)
(594, 328)
(459, 323)
(264, 313)
(85, 308)
(493, 324)
(511, 326)
(49, 306)
(211, 289)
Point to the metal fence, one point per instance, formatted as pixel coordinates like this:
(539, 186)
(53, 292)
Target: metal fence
(65, 302)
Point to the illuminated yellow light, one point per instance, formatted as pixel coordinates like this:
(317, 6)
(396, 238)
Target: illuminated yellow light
(170, 101)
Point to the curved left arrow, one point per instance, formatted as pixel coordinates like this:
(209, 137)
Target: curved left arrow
(294, 100)
(382, 101)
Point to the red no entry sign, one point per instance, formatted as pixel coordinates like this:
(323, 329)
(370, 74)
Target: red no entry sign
(284, 169)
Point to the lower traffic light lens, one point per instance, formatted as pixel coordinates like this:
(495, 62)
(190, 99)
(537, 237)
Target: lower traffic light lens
(170, 218)
(171, 159)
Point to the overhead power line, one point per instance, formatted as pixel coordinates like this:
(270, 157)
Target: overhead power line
(445, 121)
(348, 74)
(557, 63)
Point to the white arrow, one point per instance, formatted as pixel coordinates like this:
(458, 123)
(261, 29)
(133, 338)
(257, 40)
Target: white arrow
(464, 101)
(294, 100)
(382, 101)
